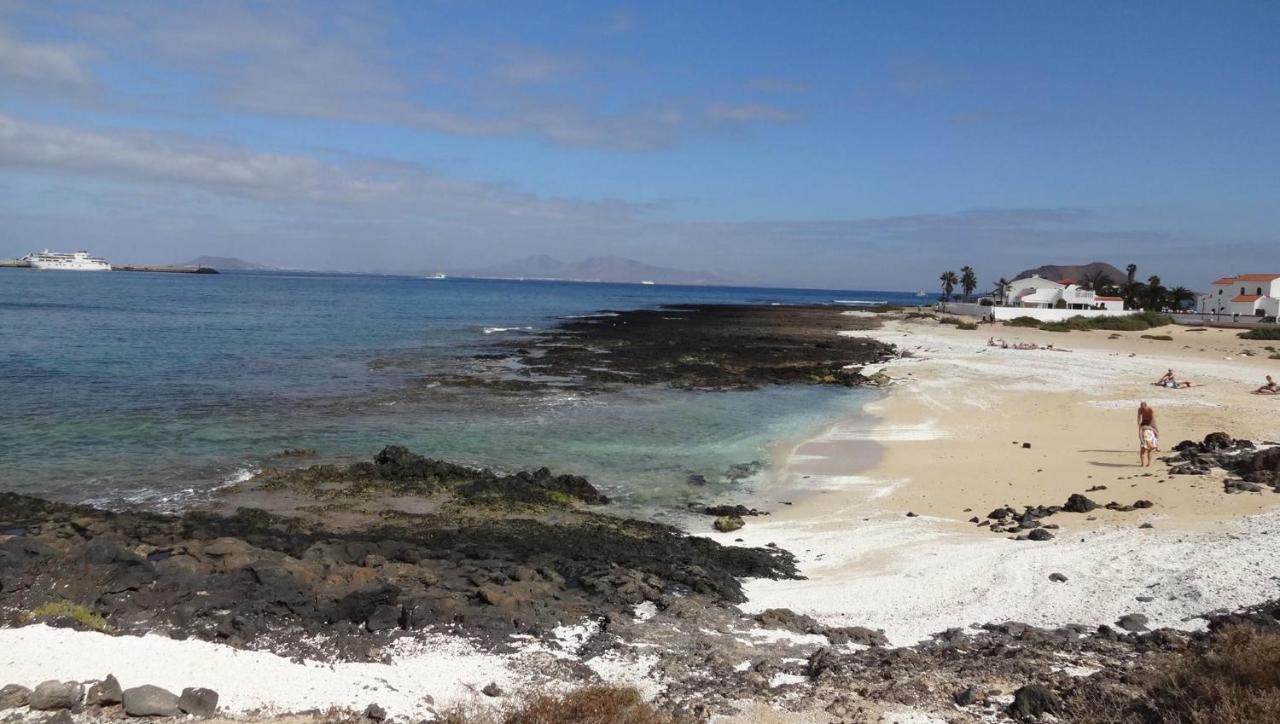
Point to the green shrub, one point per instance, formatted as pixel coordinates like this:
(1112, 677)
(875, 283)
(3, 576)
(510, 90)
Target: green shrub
(1159, 337)
(1056, 327)
(1023, 322)
(949, 320)
(67, 609)
(1262, 333)
(967, 325)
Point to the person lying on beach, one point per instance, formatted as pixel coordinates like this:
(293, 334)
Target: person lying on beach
(1165, 379)
(993, 342)
(1268, 389)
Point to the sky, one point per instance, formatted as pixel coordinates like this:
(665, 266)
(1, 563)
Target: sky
(821, 144)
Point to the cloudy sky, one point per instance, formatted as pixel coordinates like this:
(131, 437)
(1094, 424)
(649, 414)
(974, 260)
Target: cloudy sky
(840, 144)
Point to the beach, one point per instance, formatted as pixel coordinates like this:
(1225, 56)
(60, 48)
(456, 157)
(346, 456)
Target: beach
(947, 444)
(881, 511)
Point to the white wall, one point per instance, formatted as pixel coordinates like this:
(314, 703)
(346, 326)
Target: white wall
(1044, 315)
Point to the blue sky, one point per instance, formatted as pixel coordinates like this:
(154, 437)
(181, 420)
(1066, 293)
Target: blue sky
(818, 144)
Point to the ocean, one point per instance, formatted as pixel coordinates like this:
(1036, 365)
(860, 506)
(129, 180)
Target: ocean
(136, 390)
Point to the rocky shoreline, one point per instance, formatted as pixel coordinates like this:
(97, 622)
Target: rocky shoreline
(358, 555)
(342, 561)
(696, 346)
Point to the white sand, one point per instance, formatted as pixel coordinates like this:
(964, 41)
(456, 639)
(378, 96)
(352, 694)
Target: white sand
(945, 430)
(436, 668)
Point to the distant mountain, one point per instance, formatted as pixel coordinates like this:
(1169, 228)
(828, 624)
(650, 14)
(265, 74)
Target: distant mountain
(227, 263)
(1074, 272)
(595, 269)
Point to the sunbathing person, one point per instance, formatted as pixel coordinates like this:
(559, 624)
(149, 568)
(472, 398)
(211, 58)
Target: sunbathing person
(1268, 389)
(1165, 379)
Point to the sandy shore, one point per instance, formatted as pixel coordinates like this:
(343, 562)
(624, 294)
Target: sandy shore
(951, 431)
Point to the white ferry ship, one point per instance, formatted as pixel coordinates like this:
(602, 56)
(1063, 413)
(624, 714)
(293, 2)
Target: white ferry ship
(66, 261)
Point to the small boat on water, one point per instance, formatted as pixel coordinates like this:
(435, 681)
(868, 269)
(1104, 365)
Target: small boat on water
(438, 276)
(66, 261)
(648, 283)
(921, 293)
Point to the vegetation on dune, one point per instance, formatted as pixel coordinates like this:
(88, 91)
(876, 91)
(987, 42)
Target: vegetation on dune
(1139, 322)
(1233, 680)
(1023, 322)
(591, 705)
(1262, 333)
(967, 325)
(1158, 337)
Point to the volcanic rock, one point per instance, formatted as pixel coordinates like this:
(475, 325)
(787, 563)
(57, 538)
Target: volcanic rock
(1078, 503)
(1135, 622)
(198, 702)
(51, 695)
(104, 693)
(728, 523)
(1032, 702)
(148, 700)
(13, 696)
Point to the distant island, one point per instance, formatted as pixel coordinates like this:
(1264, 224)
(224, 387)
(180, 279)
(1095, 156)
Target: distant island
(1074, 272)
(595, 269)
(227, 263)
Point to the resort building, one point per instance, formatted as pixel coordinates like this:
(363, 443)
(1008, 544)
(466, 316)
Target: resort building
(1039, 293)
(1246, 295)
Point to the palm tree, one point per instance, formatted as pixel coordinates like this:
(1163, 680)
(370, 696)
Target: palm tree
(1155, 293)
(948, 280)
(1132, 269)
(1179, 296)
(1098, 281)
(1131, 291)
(968, 281)
(1001, 290)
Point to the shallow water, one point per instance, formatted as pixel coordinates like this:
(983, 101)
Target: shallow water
(153, 389)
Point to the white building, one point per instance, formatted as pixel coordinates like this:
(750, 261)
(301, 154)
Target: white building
(1039, 293)
(1248, 295)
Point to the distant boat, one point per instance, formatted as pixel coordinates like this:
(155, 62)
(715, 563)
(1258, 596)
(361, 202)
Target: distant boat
(921, 293)
(66, 261)
(438, 276)
(648, 283)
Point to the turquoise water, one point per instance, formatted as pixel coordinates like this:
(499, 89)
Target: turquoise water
(151, 390)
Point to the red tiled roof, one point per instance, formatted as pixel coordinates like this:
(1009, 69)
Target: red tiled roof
(1066, 281)
(1247, 278)
(1110, 299)
(1246, 297)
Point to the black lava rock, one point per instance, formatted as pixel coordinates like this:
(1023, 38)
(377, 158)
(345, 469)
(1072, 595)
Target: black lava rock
(1033, 701)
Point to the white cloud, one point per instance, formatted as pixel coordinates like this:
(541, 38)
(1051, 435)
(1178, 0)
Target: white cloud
(284, 60)
(750, 113)
(42, 62)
